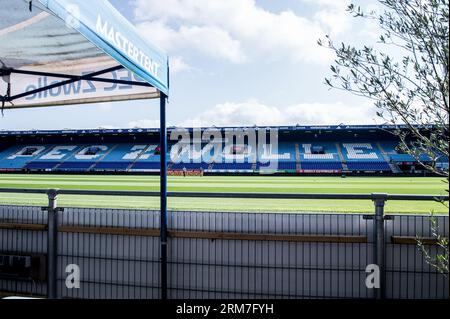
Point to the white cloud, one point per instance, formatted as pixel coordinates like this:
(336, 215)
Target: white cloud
(335, 21)
(177, 64)
(332, 15)
(208, 40)
(213, 41)
(341, 24)
(254, 113)
(327, 3)
(234, 30)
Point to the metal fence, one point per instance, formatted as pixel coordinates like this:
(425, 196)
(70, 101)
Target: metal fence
(220, 254)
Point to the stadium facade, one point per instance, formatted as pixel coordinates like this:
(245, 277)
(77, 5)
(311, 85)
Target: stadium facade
(350, 149)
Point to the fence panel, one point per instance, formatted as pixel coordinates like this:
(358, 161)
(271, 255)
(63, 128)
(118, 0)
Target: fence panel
(407, 273)
(114, 260)
(309, 266)
(26, 237)
(222, 254)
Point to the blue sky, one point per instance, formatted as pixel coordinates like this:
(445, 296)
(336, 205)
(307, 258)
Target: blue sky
(233, 62)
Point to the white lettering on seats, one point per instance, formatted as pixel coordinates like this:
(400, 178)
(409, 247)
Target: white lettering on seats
(357, 151)
(28, 151)
(239, 155)
(81, 155)
(309, 155)
(135, 151)
(149, 152)
(56, 154)
(270, 154)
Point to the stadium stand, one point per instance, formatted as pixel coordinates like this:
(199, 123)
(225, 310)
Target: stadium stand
(319, 152)
(145, 166)
(364, 156)
(321, 165)
(361, 152)
(189, 166)
(17, 156)
(74, 166)
(112, 166)
(321, 156)
(297, 151)
(232, 167)
(282, 166)
(368, 166)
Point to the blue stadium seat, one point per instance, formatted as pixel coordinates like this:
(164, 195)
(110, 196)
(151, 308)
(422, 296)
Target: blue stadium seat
(368, 166)
(280, 166)
(112, 166)
(284, 153)
(11, 158)
(41, 165)
(189, 166)
(117, 153)
(361, 152)
(321, 165)
(319, 156)
(402, 158)
(145, 166)
(75, 166)
(330, 152)
(232, 166)
(120, 157)
(389, 147)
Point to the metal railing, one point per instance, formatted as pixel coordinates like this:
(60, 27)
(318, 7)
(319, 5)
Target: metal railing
(372, 196)
(378, 240)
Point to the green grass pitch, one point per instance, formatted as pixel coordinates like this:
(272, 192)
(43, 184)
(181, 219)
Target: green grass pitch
(263, 184)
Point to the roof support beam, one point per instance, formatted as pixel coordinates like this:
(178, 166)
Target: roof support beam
(90, 78)
(71, 79)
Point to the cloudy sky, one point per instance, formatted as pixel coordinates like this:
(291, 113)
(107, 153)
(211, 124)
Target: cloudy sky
(233, 62)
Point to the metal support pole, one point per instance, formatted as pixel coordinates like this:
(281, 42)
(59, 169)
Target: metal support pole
(163, 195)
(52, 233)
(379, 247)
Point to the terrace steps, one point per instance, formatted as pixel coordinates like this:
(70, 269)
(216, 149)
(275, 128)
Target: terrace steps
(297, 157)
(138, 157)
(341, 157)
(102, 157)
(393, 166)
(76, 149)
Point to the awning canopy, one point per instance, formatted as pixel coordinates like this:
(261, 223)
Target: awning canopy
(58, 52)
